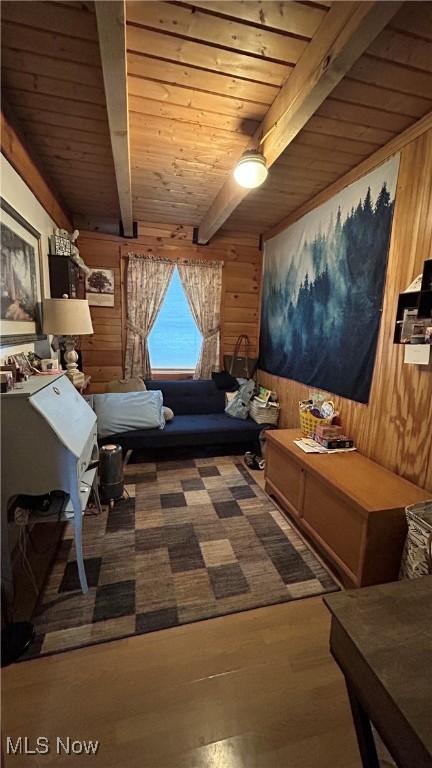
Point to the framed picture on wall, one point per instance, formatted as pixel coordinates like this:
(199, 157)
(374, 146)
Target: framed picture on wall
(20, 279)
(100, 287)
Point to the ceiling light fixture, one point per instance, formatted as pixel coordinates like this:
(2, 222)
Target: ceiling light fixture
(251, 170)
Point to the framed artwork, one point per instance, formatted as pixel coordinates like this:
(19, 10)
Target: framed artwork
(20, 279)
(100, 287)
(323, 288)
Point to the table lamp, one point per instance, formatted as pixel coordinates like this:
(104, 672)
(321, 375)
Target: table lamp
(68, 317)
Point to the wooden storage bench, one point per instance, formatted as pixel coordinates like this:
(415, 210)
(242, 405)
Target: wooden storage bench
(351, 507)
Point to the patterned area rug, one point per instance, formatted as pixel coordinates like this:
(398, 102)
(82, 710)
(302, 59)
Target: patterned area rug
(196, 539)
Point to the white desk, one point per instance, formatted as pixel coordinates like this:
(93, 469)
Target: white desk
(48, 439)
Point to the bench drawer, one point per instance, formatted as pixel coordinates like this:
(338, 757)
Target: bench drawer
(286, 475)
(337, 523)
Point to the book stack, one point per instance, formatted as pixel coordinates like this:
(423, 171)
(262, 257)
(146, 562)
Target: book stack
(330, 436)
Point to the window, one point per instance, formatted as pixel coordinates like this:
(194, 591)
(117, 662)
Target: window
(174, 341)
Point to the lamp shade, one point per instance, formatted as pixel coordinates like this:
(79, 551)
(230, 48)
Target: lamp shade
(251, 170)
(67, 317)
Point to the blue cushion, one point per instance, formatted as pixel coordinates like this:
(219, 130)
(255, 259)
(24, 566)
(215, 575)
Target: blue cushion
(193, 430)
(210, 423)
(190, 397)
(119, 412)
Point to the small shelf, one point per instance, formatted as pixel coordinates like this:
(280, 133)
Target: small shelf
(418, 302)
(67, 514)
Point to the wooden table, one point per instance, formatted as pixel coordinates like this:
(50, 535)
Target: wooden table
(381, 637)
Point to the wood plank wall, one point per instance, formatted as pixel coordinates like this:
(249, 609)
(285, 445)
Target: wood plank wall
(395, 428)
(103, 353)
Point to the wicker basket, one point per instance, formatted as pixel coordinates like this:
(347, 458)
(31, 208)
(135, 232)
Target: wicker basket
(417, 555)
(308, 423)
(264, 414)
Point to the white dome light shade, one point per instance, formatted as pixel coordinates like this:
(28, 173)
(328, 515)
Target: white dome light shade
(251, 170)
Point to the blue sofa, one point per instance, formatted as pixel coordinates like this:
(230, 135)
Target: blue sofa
(199, 420)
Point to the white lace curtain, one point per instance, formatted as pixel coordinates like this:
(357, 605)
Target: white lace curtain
(202, 282)
(148, 278)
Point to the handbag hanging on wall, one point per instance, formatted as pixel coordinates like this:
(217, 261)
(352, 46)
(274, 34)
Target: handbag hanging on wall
(238, 365)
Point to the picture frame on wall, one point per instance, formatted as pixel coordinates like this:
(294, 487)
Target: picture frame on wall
(21, 290)
(100, 287)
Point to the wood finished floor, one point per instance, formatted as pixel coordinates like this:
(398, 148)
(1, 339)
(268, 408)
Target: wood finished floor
(251, 690)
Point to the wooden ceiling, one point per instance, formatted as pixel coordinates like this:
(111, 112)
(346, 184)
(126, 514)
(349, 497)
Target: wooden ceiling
(201, 77)
(386, 91)
(52, 81)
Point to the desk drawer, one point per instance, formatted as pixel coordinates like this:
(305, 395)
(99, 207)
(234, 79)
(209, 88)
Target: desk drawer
(336, 522)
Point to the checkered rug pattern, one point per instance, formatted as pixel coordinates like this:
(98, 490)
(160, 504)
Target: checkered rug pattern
(195, 539)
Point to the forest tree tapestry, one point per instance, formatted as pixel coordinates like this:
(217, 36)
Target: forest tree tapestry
(323, 288)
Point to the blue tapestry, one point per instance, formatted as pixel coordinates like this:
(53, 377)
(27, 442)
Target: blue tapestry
(323, 288)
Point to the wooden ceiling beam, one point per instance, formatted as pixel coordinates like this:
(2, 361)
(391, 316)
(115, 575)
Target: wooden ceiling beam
(343, 36)
(111, 23)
